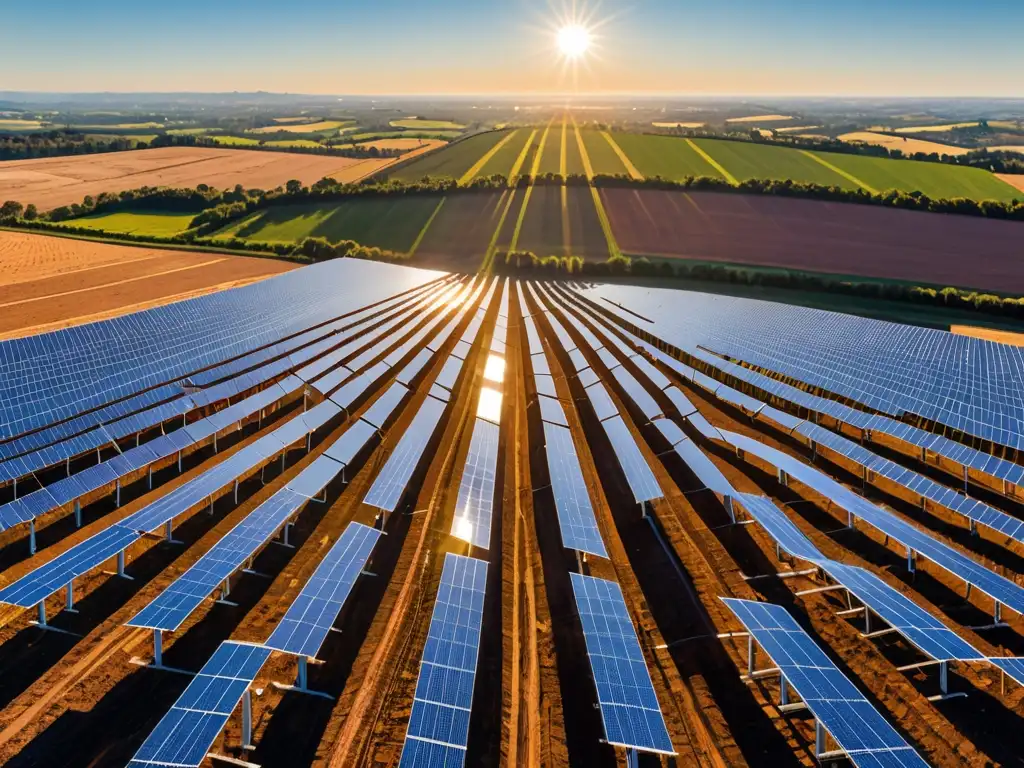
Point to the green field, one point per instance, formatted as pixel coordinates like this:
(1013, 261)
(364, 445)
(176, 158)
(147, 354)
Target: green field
(372, 135)
(189, 131)
(551, 160)
(106, 137)
(666, 156)
(573, 158)
(933, 179)
(391, 223)
(602, 157)
(673, 158)
(763, 161)
(426, 125)
(503, 160)
(309, 144)
(452, 161)
(236, 141)
(157, 223)
(117, 127)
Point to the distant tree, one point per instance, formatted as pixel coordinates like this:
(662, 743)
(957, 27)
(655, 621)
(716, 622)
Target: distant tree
(30, 214)
(293, 187)
(11, 210)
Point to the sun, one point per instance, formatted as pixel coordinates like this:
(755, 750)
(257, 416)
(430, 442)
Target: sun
(573, 40)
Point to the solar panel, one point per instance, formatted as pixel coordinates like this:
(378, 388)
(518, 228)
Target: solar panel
(388, 488)
(475, 505)
(1014, 667)
(184, 735)
(629, 706)
(843, 710)
(637, 393)
(385, 405)
(439, 721)
(704, 426)
(545, 385)
(680, 401)
(310, 617)
(779, 527)
(539, 363)
(576, 519)
(997, 587)
(315, 477)
(670, 431)
(345, 448)
(172, 606)
(638, 473)
(704, 468)
(601, 401)
(551, 411)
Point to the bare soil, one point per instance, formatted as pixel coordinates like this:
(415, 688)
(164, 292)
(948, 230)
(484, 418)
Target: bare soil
(82, 281)
(52, 182)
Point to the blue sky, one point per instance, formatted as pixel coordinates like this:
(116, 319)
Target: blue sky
(744, 47)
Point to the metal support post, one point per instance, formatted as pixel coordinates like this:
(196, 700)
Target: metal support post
(214, 442)
(784, 695)
(819, 738)
(998, 613)
(783, 480)
(120, 566)
(944, 677)
(32, 537)
(247, 720)
(236, 491)
(751, 653)
(149, 478)
(78, 513)
(309, 442)
(867, 620)
(967, 484)
(41, 621)
(910, 561)
(179, 462)
(117, 494)
(158, 648)
(302, 677)
(727, 501)
(283, 454)
(69, 598)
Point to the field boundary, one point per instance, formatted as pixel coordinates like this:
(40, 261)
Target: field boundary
(602, 214)
(423, 231)
(835, 169)
(712, 162)
(521, 160)
(478, 166)
(630, 168)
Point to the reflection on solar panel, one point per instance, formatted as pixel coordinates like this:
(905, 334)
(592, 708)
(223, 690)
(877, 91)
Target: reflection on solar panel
(1014, 667)
(185, 734)
(779, 527)
(475, 504)
(308, 621)
(637, 393)
(638, 473)
(841, 709)
(551, 411)
(671, 431)
(601, 401)
(629, 706)
(704, 468)
(572, 502)
(439, 723)
(382, 409)
(172, 606)
(388, 488)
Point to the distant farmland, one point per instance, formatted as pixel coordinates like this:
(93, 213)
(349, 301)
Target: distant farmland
(56, 181)
(153, 223)
(391, 223)
(835, 238)
(452, 161)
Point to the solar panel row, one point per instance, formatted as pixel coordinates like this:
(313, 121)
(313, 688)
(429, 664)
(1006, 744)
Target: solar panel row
(438, 732)
(963, 383)
(835, 702)
(311, 615)
(184, 736)
(108, 360)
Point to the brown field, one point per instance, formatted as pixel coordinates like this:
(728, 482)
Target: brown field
(459, 236)
(56, 282)
(678, 125)
(908, 146)
(819, 236)
(990, 334)
(1013, 179)
(424, 144)
(1007, 148)
(795, 128)
(52, 182)
(936, 128)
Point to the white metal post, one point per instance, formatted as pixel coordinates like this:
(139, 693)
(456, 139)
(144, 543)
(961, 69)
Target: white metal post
(69, 599)
(117, 494)
(78, 513)
(32, 537)
(819, 738)
(42, 613)
(149, 478)
(158, 648)
(247, 720)
(751, 651)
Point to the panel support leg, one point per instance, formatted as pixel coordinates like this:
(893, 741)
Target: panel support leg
(120, 566)
(117, 494)
(31, 537)
(944, 677)
(910, 561)
(236, 491)
(78, 514)
(751, 653)
(727, 501)
(784, 694)
(247, 720)
(69, 598)
(214, 442)
(158, 648)
(41, 621)
(302, 676)
(149, 478)
(819, 738)
(783, 479)
(179, 462)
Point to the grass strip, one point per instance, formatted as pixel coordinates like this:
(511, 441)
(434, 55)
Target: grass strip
(469, 175)
(426, 226)
(521, 159)
(623, 157)
(713, 163)
(840, 171)
(602, 215)
(535, 169)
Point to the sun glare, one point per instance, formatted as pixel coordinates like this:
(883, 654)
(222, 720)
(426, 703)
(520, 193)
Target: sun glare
(573, 40)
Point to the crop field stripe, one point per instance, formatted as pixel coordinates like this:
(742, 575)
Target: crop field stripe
(563, 162)
(602, 215)
(712, 162)
(492, 247)
(845, 174)
(469, 175)
(623, 157)
(423, 231)
(535, 169)
(522, 158)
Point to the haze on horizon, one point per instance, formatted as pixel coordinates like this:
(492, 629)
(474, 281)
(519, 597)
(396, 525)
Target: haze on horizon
(928, 48)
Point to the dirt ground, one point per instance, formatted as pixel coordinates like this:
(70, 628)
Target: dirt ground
(55, 282)
(534, 700)
(1013, 179)
(819, 236)
(52, 182)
